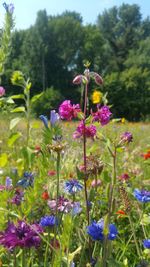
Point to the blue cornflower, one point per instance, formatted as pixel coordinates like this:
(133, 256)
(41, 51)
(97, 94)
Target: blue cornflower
(27, 180)
(48, 221)
(54, 117)
(44, 120)
(95, 230)
(146, 243)
(72, 186)
(76, 208)
(142, 196)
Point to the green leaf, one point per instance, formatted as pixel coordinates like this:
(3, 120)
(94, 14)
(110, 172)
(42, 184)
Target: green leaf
(13, 138)
(21, 96)
(18, 109)
(14, 122)
(36, 97)
(80, 115)
(9, 100)
(3, 160)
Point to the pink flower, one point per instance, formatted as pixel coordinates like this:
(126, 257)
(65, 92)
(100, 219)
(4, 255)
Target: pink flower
(90, 131)
(102, 115)
(98, 79)
(2, 91)
(68, 111)
(96, 183)
(51, 173)
(79, 79)
(124, 177)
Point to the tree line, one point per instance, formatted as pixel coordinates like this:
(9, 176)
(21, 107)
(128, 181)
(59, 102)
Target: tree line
(53, 51)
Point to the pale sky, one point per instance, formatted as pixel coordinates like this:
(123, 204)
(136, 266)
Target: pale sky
(25, 11)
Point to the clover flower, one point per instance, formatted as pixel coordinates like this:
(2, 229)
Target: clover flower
(89, 131)
(48, 221)
(72, 186)
(102, 115)
(68, 111)
(126, 137)
(21, 235)
(142, 196)
(146, 243)
(95, 230)
(2, 91)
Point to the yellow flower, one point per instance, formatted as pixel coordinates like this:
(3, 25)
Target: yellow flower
(96, 97)
(123, 120)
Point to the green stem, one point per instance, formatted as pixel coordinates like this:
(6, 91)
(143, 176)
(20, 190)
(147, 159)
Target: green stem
(23, 258)
(15, 259)
(134, 236)
(57, 193)
(46, 252)
(28, 116)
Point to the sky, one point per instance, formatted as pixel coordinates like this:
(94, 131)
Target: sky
(25, 11)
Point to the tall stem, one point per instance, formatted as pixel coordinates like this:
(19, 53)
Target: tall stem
(134, 236)
(57, 192)
(28, 116)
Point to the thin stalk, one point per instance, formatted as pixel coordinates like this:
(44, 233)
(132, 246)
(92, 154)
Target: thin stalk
(57, 192)
(28, 116)
(15, 259)
(134, 236)
(23, 258)
(46, 252)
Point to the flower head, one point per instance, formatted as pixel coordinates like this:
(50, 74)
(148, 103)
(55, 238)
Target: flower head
(21, 235)
(18, 197)
(146, 155)
(79, 79)
(45, 195)
(89, 131)
(102, 115)
(48, 221)
(73, 186)
(63, 204)
(54, 117)
(51, 173)
(96, 97)
(95, 230)
(2, 91)
(98, 79)
(142, 196)
(27, 180)
(146, 243)
(44, 120)
(126, 137)
(68, 111)
(124, 177)
(9, 7)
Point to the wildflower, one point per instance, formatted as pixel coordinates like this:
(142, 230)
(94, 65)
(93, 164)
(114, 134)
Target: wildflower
(2, 91)
(21, 235)
(27, 180)
(121, 213)
(142, 196)
(146, 155)
(98, 79)
(18, 197)
(102, 115)
(96, 183)
(54, 117)
(94, 165)
(146, 243)
(79, 79)
(44, 120)
(124, 177)
(51, 173)
(96, 97)
(72, 186)
(68, 111)
(123, 120)
(95, 230)
(126, 137)
(63, 204)
(76, 208)
(48, 221)
(89, 131)
(45, 195)
(9, 8)
(8, 182)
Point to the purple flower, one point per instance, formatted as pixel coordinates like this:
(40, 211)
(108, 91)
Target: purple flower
(146, 243)
(102, 115)
(142, 196)
(126, 137)
(2, 91)
(68, 111)
(27, 180)
(48, 221)
(89, 131)
(21, 235)
(95, 230)
(76, 208)
(18, 197)
(54, 117)
(44, 120)
(9, 7)
(63, 204)
(8, 182)
(72, 186)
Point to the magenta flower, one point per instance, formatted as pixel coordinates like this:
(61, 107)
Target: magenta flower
(124, 177)
(102, 115)
(89, 131)
(2, 91)
(98, 79)
(126, 137)
(68, 111)
(21, 235)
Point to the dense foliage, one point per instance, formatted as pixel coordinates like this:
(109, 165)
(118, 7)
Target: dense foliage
(52, 51)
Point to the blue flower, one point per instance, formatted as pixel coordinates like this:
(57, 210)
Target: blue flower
(76, 208)
(9, 8)
(142, 196)
(8, 182)
(73, 186)
(146, 243)
(27, 180)
(95, 230)
(48, 221)
(44, 120)
(54, 117)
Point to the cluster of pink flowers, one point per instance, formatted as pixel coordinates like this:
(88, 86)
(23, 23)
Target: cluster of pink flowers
(102, 115)
(68, 111)
(89, 131)
(2, 91)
